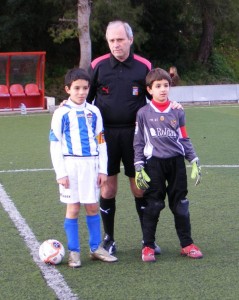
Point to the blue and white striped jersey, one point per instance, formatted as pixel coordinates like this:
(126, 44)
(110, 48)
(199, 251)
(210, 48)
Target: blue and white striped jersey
(77, 130)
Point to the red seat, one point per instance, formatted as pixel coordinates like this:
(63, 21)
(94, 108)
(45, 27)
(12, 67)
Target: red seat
(17, 90)
(31, 89)
(4, 91)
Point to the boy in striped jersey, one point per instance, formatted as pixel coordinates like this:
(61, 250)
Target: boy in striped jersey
(79, 157)
(161, 146)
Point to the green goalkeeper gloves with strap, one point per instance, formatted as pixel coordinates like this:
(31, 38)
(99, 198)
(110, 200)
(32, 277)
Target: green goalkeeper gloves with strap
(196, 172)
(141, 178)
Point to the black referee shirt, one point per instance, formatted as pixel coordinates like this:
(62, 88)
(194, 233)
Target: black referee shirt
(119, 88)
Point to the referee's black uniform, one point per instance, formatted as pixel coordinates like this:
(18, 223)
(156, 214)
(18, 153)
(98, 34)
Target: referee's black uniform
(119, 91)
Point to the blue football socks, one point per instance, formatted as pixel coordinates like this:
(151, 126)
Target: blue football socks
(71, 229)
(93, 224)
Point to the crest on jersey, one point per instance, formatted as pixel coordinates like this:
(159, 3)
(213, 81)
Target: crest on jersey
(161, 118)
(89, 118)
(173, 123)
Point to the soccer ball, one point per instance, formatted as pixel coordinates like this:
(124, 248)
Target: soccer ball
(51, 252)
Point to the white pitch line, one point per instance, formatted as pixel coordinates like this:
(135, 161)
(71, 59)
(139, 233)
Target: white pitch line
(53, 277)
(39, 170)
(220, 166)
(24, 170)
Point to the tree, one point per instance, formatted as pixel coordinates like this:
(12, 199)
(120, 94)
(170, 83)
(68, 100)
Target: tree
(84, 11)
(101, 12)
(208, 13)
(213, 13)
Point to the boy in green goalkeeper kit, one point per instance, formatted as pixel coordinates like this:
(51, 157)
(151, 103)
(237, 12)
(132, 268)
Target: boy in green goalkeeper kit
(161, 145)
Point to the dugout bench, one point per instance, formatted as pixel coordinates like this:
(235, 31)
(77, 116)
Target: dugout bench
(22, 80)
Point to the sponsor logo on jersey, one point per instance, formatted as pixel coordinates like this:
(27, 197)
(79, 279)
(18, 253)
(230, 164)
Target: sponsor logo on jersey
(166, 132)
(105, 90)
(153, 132)
(80, 115)
(153, 120)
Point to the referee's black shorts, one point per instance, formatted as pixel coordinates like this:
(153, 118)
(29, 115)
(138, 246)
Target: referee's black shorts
(120, 148)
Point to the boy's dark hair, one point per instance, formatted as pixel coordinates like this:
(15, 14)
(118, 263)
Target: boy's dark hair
(75, 74)
(157, 74)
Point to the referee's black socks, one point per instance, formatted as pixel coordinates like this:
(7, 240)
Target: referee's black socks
(107, 210)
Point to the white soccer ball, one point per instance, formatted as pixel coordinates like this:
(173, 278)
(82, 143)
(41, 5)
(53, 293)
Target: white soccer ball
(51, 252)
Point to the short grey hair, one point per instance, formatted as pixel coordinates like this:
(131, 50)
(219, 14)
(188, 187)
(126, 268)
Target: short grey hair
(128, 29)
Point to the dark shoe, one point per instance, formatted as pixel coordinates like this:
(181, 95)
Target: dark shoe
(109, 244)
(157, 249)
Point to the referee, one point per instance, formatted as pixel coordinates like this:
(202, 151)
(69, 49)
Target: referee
(119, 91)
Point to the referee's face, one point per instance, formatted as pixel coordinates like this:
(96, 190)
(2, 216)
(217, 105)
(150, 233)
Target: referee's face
(78, 91)
(119, 43)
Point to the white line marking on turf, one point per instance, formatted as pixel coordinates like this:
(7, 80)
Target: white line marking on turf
(38, 170)
(53, 277)
(220, 166)
(24, 170)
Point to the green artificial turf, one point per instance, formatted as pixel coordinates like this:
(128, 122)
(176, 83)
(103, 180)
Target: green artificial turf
(213, 207)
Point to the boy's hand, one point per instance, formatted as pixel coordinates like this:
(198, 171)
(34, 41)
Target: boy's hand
(196, 172)
(64, 181)
(101, 180)
(141, 178)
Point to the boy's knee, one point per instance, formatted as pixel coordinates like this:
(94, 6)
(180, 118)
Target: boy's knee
(154, 208)
(182, 208)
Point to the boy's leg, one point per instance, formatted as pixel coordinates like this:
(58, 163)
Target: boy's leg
(71, 226)
(182, 222)
(71, 230)
(183, 228)
(96, 251)
(178, 203)
(93, 225)
(154, 197)
(150, 221)
(73, 244)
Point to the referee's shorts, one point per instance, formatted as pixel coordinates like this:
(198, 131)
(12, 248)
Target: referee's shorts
(120, 148)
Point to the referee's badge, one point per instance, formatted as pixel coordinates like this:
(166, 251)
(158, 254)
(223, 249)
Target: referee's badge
(135, 91)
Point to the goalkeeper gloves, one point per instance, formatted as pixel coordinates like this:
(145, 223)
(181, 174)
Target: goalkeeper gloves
(141, 178)
(196, 172)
